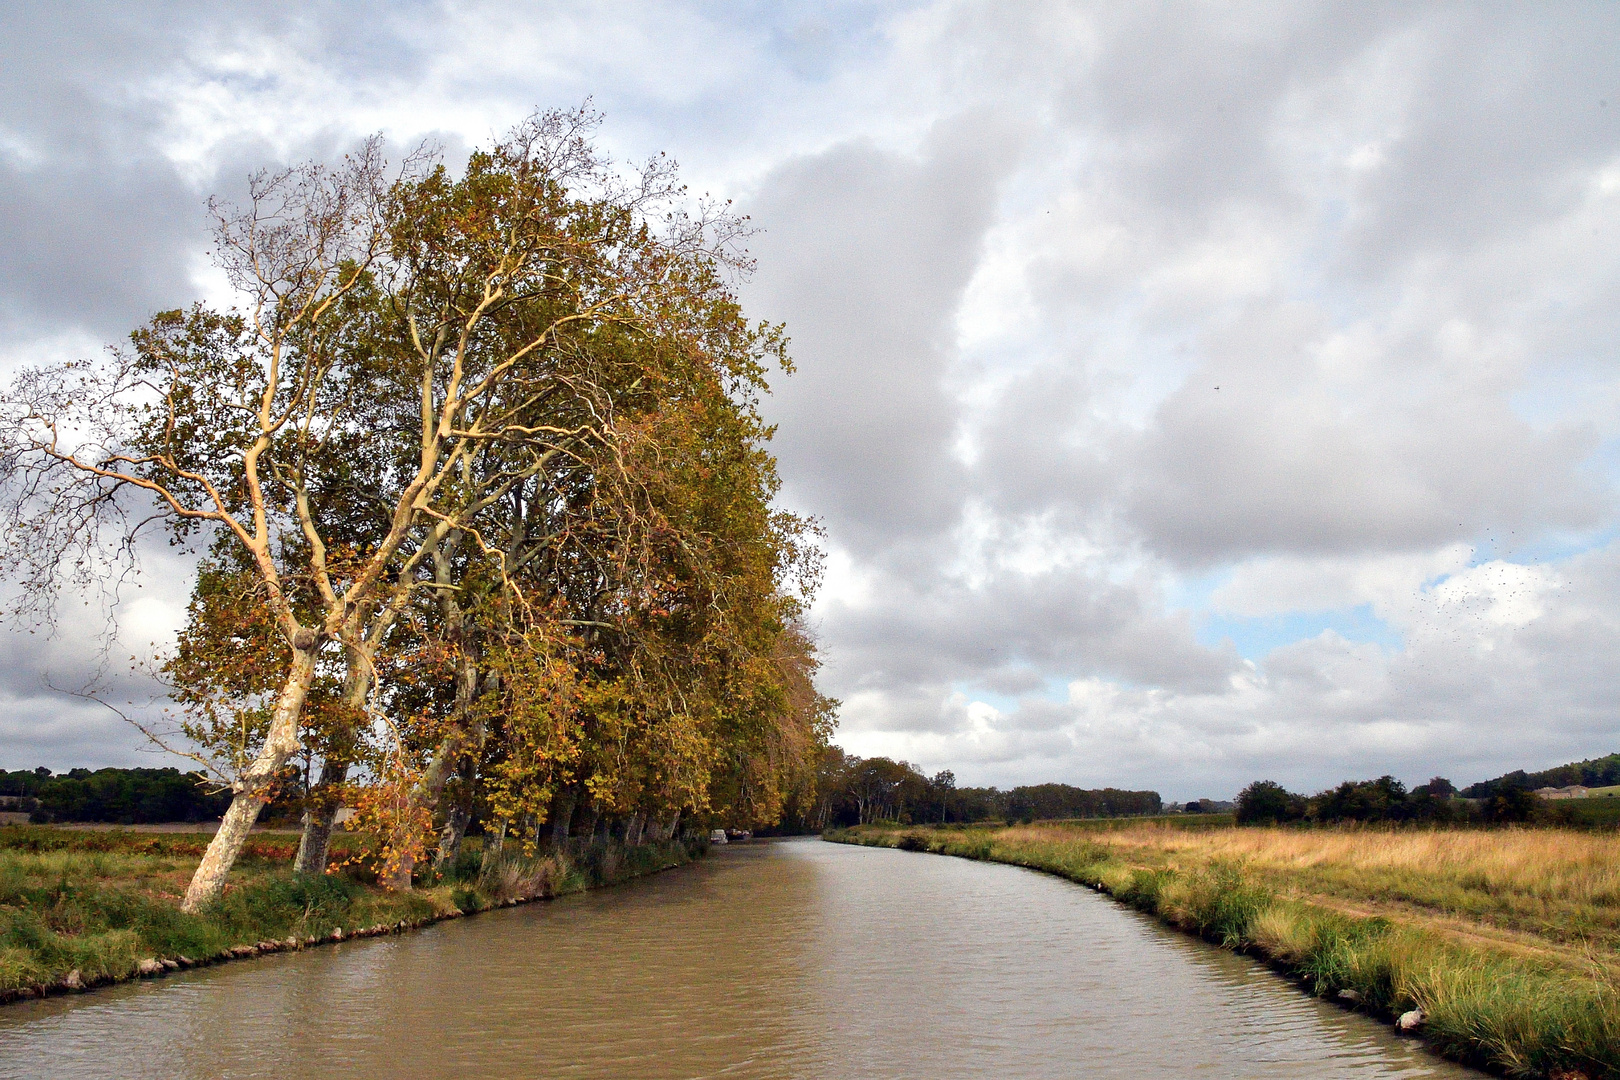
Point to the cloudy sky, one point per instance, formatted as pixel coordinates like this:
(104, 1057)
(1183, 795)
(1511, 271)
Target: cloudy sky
(1191, 393)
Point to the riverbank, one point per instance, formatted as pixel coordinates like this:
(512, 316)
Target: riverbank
(80, 909)
(1503, 942)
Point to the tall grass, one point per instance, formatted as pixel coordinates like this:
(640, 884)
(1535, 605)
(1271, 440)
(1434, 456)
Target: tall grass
(1560, 885)
(1522, 1015)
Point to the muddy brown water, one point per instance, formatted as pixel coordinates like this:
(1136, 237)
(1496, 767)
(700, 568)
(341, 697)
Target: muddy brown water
(787, 959)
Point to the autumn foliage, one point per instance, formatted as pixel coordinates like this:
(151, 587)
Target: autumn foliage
(484, 498)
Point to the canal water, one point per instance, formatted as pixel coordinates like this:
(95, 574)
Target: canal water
(788, 959)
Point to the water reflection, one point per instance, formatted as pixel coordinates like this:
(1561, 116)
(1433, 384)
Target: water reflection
(796, 959)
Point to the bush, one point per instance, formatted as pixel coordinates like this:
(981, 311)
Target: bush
(1268, 802)
(1511, 805)
(1361, 800)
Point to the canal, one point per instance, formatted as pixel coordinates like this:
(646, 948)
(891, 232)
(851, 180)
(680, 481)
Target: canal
(787, 959)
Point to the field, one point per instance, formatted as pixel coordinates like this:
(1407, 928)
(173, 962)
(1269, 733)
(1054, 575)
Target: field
(1508, 941)
(1549, 891)
(81, 907)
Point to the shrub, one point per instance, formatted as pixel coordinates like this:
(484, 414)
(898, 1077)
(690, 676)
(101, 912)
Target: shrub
(1511, 805)
(1268, 802)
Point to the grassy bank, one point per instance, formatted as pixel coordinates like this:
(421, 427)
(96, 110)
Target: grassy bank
(80, 908)
(1505, 940)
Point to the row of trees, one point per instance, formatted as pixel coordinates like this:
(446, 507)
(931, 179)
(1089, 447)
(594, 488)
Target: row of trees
(122, 796)
(1593, 772)
(851, 790)
(1385, 799)
(484, 501)
(26, 783)
(1063, 801)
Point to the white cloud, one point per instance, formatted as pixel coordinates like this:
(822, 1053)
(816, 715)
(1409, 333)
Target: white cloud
(1280, 584)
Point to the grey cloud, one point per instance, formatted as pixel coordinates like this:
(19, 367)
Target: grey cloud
(1480, 114)
(94, 223)
(1256, 453)
(1014, 680)
(1507, 106)
(50, 719)
(98, 227)
(1196, 139)
(66, 679)
(865, 254)
(1040, 447)
(1184, 101)
(99, 248)
(1184, 114)
(62, 734)
(1014, 627)
(1473, 694)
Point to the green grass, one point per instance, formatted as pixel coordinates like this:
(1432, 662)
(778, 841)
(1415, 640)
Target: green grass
(39, 838)
(1592, 812)
(1485, 1007)
(100, 903)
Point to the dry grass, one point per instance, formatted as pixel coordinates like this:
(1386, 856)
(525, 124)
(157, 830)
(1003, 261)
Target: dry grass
(1561, 886)
(1559, 866)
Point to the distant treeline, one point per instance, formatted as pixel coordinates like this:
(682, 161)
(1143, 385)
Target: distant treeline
(849, 790)
(1382, 800)
(1044, 801)
(852, 790)
(121, 796)
(1597, 772)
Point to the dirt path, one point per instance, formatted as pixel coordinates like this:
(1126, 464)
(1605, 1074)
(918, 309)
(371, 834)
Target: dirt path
(1581, 957)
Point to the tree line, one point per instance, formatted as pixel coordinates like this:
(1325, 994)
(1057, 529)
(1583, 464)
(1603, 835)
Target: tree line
(852, 790)
(119, 796)
(483, 500)
(1593, 772)
(1385, 799)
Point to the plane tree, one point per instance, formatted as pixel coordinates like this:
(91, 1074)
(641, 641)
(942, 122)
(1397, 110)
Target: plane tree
(438, 333)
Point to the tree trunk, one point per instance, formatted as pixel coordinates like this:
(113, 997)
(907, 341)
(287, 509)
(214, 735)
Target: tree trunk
(459, 815)
(454, 831)
(426, 792)
(562, 819)
(492, 846)
(280, 744)
(666, 833)
(316, 844)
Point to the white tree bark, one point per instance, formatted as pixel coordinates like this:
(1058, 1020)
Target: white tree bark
(280, 744)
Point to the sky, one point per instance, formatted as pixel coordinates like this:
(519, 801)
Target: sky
(1190, 393)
